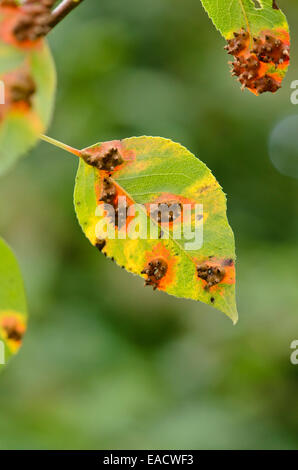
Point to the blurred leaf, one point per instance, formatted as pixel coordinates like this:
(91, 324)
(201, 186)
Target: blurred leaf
(152, 170)
(13, 310)
(258, 37)
(28, 81)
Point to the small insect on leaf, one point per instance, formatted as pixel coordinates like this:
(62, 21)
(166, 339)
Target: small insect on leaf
(13, 309)
(157, 210)
(27, 79)
(257, 35)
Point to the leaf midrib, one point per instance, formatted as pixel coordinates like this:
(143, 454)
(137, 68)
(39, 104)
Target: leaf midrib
(245, 16)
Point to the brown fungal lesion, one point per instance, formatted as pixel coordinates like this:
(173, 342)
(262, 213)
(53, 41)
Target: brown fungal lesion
(108, 192)
(266, 49)
(271, 49)
(105, 162)
(213, 275)
(100, 244)
(22, 88)
(109, 195)
(13, 330)
(238, 43)
(14, 334)
(167, 211)
(266, 83)
(248, 75)
(246, 69)
(274, 5)
(35, 22)
(155, 270)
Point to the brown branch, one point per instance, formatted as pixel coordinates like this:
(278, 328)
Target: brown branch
(38, 18)
(62, 10)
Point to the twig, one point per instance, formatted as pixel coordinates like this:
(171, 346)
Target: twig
(62, 10)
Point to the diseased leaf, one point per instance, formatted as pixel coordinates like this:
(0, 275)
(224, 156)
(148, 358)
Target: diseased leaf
(257, 33)
(152, 170)
(13, 310)
(28, 80)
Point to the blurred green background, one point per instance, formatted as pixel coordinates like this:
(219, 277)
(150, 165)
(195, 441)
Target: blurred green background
(107, 363)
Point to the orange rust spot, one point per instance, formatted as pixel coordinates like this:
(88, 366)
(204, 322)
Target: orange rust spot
(212, 275)
(170, 199)
(19, 91)
(103, 161)
(10, 17)
(255, 57)
(108, 192)
(167, 212)
(102, 150)
(222, 271)
(155, 271)
(13, 328)
(270, 49)
(161, 252)
(239, 43)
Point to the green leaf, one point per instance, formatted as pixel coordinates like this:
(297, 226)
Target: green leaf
(261, 48)
(27, 73)
(152, 170)
(13, 309)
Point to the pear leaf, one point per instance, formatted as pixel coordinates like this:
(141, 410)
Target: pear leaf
(257, 35)
(157, 210)
(13, 308)
(27, 88)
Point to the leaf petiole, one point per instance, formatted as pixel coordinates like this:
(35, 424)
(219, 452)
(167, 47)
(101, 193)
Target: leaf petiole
(61, 145)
